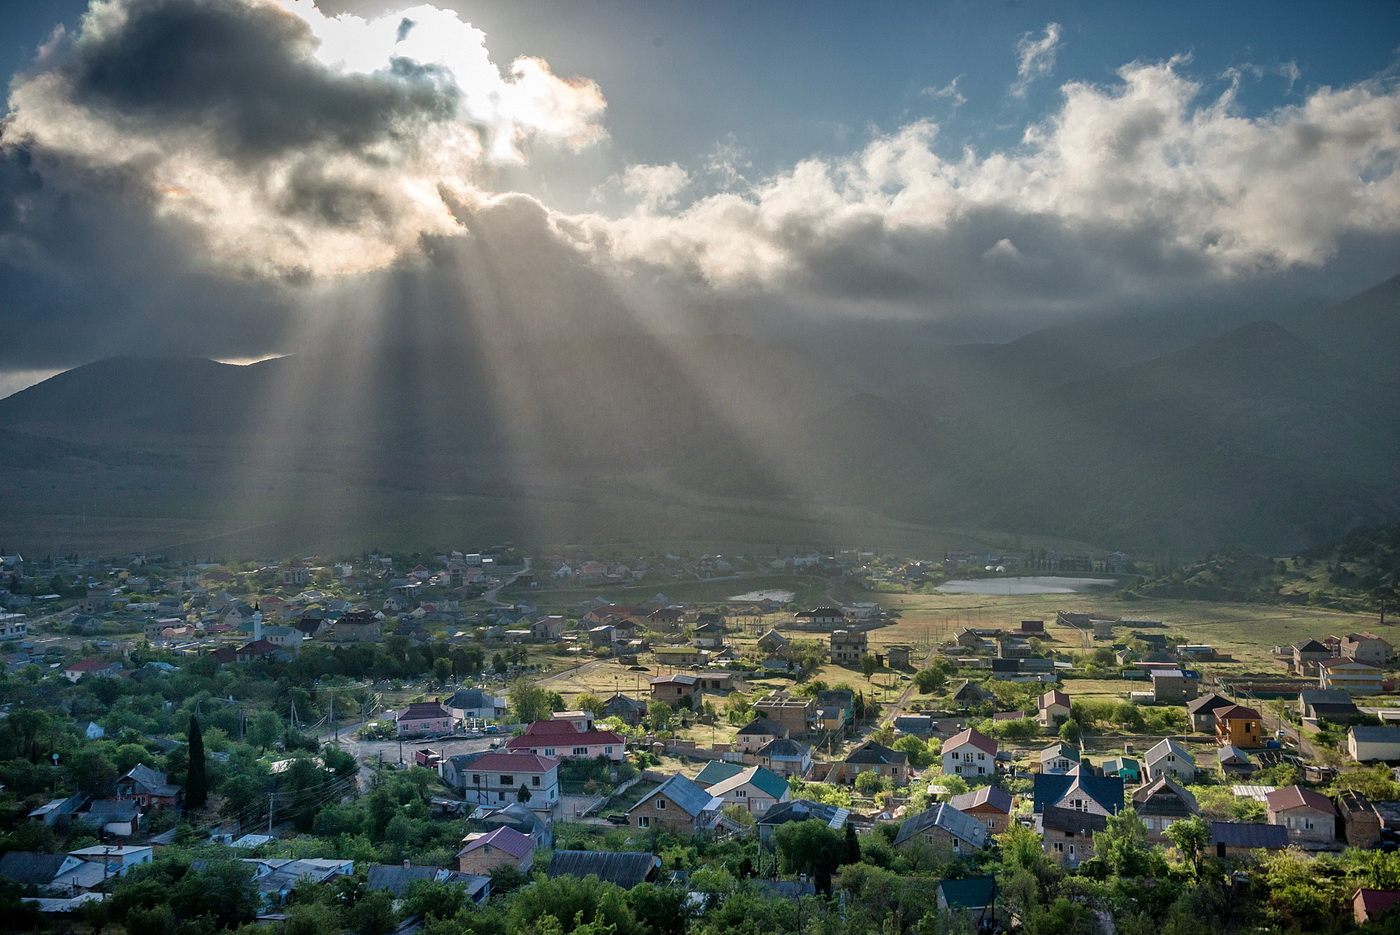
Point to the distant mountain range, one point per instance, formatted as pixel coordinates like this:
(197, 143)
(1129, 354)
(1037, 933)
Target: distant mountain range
(1187, 432)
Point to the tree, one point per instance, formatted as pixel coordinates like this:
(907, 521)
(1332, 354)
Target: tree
(590, 703)
(197, 777)
(529, 702)
(1191, 837)
(805, 846)
(852, 855)
(659, 716)
(929, 681)
(870, 783)
(660, 910)
(1070, 732)
(869, 665)
(522, 795)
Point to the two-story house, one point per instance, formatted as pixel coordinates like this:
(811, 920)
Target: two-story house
(969, 753)
(1169, 758)
(497, 778)
(678, 805)
(563, 739)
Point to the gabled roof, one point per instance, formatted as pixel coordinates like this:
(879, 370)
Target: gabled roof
(1054, 696)
(29, 868)
(88, 665)
(783, 747)
(1059, 749)
(622, 868)
(503, 838)
(1166, 746)
(677, 679)
(1237, 712)
(1385, 733)
(979, 740)
(1073, 820)
(943, 815)
(688, 796)
(1232, 754)
(1290, 797)
(1310, 646)
(1248, 834)
(764, 780)
(1340, 661)
(803, 810)
(1208, 703)
(152, 781)
(1374, 901)
(871, 752)
(985, 796)
(424, 710)
(465, 698)
(717, 771)
(969, 892)
(497, 761)
(561, 732)
(1050, 788)
(1163, 796)
(396, 878)
(761, 726)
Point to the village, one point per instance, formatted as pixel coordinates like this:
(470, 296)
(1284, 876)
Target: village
(531, 733)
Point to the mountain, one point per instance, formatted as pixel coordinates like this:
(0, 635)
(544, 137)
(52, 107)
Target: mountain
(1187, 434)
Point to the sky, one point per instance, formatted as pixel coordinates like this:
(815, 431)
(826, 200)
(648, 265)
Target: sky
(225, 177)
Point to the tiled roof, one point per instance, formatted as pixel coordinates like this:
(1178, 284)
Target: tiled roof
(1346, 661)
(1289, 797)
(1237, 712)
(993, 796)
(497, 761)
(424, 710)
(978, 740)
(506, 839)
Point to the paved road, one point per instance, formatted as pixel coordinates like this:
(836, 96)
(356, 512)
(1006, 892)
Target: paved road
(908, 691)
(489, 595)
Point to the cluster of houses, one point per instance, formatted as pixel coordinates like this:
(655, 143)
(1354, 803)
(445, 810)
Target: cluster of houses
(1352, 662)
(118, 813)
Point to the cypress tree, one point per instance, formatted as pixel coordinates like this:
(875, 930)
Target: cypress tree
(197, 780)
(852, 846)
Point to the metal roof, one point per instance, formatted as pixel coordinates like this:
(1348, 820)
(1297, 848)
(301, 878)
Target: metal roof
(1248, 834)
(951, 820)
(622, 868)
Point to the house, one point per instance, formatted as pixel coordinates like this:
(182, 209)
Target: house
(30, 869)
(917, 725)
(1239, 726)
(398, 878)
(898, 656)
(872, 757)
(59, 811)
(848, 646)
(563, 739)
(1309, 817)
(1203, 709)
(474, 704)
(679, 656)
(1240, 840)
(550, 628)
(1234, 761)
(117, 858)
(119, 819)
(1054, 708)
(275, 878)
(1361, 826)
(796, 715)
(357, 626)
(1067, 834)
(496, 778)
(1125, 768)
(716, 771)
(626, 869)
(1366, 647)
(517, 816)
(823, 616)
(678, 805)
(968, 638)
(1058, 758)
(1334, 705)
(1169, 758)
(786, 757)
(1162, 803)
(1367, 904)
(1174, 686)
(603, 635)
(1014, 647)
(504, 847)
(1366, 744)
(758, 733)
(628, 710)
(1306, 656)
(832, 816)
(945, 828)
(708, 636)
(91, 668)
(1352, 674)
(422, 718)
(773, 642)
(991, 805)
(969, 753)
(756, 789)
(967, 693)
(678, 691)
(288, 638)
(145, 787)
(1081, 791)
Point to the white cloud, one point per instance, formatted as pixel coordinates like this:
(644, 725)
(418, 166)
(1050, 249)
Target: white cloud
(1035, 58)
(949, 92)
(1142, 187)
(656, 187)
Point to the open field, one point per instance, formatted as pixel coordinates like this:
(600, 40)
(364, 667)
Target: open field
(806, 588)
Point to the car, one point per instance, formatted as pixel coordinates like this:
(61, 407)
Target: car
(617, 819)
(492, 729)
(904, 678)
(1280, 733)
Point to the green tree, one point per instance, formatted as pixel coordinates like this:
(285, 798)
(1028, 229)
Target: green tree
(372, 913)
(1070, 732)
(660, 715)
(573, 903)
(852, 853)
(522, 795)
(197, 777)
(529, 702)
(869, 665)
(590, 703)
(660, 910)
(1191, 836)
(929, 681)
(806, 846)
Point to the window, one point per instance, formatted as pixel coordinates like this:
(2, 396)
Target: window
(506, 781)
(1060, 847)
(741, 793)
(661, 805)
(967, 757)
(608, 750)
(981, 756)
(991, 822)
(580, 751)
(981, 770)
(643, 821)
(476, 779)
(549, 751)
(535, 780)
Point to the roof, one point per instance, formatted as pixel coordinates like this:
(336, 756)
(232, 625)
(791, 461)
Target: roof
(687, 795)
(1059, 749)
(943, 816)
(152, 781)
(1230, 752)
(783, 747)
(1309, 696)
(1374, 901)
(871, 752)
(503, 838)
(397, 878)
(763, 727)
(988, 796)
(1382, 734)
(1050, 788)
(88, 665)
(30, 868)
(677, 679)
(1310, 646)
(470, 698)
(969, 892)
(514, 762)
(978, 740)
(804, 810)
(1121, 763)
(1165, 797)
(1346, 661)
(1072, 820)
(765, 780)
(717, 771)
(622, 868)
(1054, 696)
(1166, 746)
(1171, 674)
(423, 710)
(1248, 834)
(568, 735)
(1238, 712)
(1290, 797)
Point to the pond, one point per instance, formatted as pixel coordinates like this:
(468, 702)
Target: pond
(1036, 584)
(771, 594)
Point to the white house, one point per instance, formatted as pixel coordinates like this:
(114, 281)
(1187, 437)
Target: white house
(1168, 758)
(1054, 708)
(496, 778)
(970, 754)
(1366, 744)
(756, 789)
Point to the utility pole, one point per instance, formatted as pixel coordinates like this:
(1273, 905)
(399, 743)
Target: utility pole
(271, 806)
